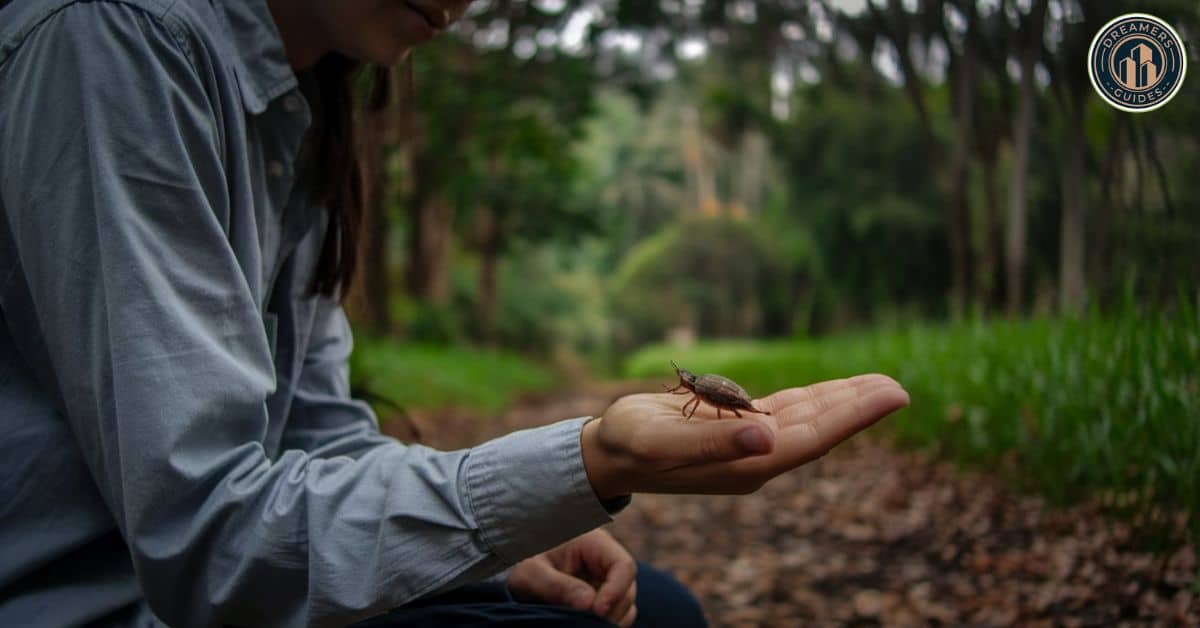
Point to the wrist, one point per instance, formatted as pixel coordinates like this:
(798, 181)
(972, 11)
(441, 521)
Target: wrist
(601, 467)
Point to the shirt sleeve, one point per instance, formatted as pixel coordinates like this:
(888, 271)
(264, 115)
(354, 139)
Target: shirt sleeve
(113, 189)
(323, 419)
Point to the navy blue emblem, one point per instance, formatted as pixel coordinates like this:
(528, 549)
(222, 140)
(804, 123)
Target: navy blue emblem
(1137, 62)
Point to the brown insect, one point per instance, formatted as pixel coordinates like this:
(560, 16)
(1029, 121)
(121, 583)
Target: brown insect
(719, 392)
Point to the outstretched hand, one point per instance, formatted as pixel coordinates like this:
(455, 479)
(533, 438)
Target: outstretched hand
(643, 443)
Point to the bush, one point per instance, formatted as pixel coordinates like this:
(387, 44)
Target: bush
(549, 305)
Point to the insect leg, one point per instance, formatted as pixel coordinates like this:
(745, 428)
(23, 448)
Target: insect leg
(739, 414)
(695, 407)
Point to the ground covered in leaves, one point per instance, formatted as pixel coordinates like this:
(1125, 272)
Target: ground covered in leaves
(870, 535)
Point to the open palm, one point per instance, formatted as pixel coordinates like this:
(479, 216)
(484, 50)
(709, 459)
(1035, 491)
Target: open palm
(654, 448)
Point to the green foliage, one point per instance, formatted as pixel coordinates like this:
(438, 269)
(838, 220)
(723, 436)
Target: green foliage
(551, 302)
(860, 186)
(434, 324)
(631, 169)
(431, 376)
(1107, 407)
(450, 323)
(499, 133)
(721, 276)
(533, 143)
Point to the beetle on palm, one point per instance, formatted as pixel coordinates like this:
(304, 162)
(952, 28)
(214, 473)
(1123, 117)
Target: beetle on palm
(719, 392)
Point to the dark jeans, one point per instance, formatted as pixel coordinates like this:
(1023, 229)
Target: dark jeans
(661, 601)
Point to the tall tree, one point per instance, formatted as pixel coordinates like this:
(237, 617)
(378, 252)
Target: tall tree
(900, 29)
(964, 82)
(1072, 88)
(1016, 242)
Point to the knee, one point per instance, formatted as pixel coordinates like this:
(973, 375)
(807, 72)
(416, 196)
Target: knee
(664, 601)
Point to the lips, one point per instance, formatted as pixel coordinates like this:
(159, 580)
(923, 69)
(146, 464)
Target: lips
(435, 18)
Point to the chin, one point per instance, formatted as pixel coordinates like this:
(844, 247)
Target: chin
(389, 38)
(409, 32)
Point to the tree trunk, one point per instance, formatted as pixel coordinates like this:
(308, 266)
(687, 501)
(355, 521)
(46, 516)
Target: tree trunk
(958, 209)
(989, 258)
(752, 160)
(952, 175)
(431, 217)
(1112, 175)
(1072, 288)
(701, 178)
(960, 258)
(1016, 237)
(489, 238)
(429, 249)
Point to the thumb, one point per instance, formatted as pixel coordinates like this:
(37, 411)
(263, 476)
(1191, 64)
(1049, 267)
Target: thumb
(715, 441)
(555, 587)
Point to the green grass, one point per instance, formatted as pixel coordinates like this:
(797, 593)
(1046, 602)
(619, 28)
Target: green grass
(426, 376)
(1105, 407)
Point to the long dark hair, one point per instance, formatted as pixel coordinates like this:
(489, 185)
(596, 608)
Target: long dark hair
(338, 182)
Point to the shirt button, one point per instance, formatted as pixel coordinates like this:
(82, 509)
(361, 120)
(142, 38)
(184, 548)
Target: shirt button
(291, 104)
(276, 169)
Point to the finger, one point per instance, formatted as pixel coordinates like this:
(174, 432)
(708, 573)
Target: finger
(629, 618)
(552, 586)
(623, 605)
(617, 582)
(804, 411)
(796, 445)
(604, 556)
(668, 444)
(808, 441)
(777, 401)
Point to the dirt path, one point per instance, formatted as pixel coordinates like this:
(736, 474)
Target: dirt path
(872, 536)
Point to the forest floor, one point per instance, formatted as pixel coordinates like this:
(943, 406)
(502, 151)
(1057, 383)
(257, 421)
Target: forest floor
(871, 535)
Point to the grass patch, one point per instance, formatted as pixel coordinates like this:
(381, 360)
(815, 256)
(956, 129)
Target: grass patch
(1102, 407)
(429, 376)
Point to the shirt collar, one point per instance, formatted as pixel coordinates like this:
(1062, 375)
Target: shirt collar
(260, 61)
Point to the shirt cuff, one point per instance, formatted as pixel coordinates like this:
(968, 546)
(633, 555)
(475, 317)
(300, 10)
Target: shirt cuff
(528, 491)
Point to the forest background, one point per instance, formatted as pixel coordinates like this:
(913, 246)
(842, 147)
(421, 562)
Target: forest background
(568, 191)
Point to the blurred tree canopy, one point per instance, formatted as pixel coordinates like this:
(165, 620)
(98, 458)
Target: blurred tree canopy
(586, 175)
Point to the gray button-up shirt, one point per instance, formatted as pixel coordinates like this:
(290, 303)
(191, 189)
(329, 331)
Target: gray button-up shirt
(177, 442)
